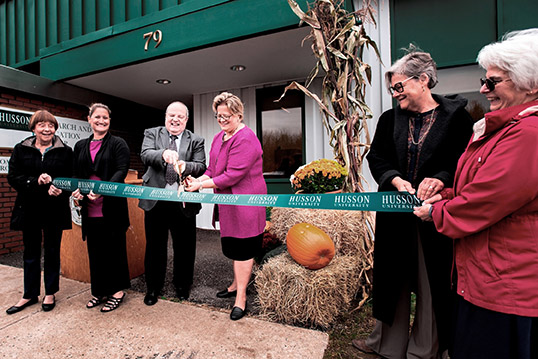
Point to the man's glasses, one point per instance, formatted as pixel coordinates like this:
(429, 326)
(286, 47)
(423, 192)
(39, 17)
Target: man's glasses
(490, 84)
(398, 86)
(223, 117)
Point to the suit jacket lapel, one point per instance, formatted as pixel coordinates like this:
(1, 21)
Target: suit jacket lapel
(163, 138)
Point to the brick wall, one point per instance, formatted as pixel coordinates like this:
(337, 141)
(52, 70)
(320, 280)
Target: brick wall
(122, 125)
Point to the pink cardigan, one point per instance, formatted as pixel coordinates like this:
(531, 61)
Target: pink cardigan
(236, 167)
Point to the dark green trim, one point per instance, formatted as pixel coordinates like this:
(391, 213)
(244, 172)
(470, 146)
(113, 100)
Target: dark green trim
(41, 24)
(124, 43)
(11, 31)
(31, 47)
(3, 35)
(118, 11)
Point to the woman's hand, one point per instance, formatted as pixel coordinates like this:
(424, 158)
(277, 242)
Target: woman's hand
(429, 187)
(92, 196)
(44, 179)
(77, 196)
(402, 185)
(423, 212)
(192, 184)
(54, 191)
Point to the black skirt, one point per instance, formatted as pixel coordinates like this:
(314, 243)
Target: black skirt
(484, 334)
(241, 249)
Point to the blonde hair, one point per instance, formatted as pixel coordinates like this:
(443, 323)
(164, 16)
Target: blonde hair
(231, 101)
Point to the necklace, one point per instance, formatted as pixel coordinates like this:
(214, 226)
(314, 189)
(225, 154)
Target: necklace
(421, 138)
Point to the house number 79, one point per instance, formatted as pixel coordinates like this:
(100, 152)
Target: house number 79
(156, 36)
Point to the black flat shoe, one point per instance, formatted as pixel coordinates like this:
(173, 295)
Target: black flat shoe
(238, 313)
(225, 294)
(151, 298)
(49, 307)
(14, 309)
(183, 293)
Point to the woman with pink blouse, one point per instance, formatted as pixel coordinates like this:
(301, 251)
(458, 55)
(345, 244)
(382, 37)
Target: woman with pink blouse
(235, 167)
(105, 219)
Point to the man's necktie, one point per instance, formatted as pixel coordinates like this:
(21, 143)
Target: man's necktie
(171, 175)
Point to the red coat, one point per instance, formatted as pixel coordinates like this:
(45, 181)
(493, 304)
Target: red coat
(494, 215)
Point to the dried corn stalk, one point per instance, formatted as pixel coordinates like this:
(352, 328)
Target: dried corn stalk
(339, 40)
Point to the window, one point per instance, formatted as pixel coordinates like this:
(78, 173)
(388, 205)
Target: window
(280, 127)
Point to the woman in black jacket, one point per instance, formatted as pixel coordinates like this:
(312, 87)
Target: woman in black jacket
(105, 219)
(41, 210)
(415, 149)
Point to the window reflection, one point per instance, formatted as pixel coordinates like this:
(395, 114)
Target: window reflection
(282, 140)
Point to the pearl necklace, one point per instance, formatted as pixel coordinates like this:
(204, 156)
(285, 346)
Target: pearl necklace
(421, 138)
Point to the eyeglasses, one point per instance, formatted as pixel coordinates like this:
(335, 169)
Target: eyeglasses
(223, 117)
(490, 84)
(398, 86)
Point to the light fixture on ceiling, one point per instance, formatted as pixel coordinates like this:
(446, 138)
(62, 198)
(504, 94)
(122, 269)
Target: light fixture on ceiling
(163, 81)
(238, 68)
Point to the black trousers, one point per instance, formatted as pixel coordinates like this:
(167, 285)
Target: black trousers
(32, 238)
(484, 334)
(107, 252)
(164, 217)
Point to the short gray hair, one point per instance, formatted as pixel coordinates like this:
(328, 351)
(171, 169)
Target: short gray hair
(517, 54)
(414, 64)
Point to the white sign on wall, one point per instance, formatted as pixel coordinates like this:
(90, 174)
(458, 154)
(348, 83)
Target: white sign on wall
(4, 164)
(14, 128)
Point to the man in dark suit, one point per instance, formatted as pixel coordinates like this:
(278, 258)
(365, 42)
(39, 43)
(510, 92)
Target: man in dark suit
(164, 148)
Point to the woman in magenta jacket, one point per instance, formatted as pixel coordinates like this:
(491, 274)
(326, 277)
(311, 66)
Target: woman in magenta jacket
(492, 210)
(235, 167)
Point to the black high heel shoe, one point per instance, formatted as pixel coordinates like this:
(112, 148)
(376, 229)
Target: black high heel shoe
(50, 306)
(14, 309)
(226, 294)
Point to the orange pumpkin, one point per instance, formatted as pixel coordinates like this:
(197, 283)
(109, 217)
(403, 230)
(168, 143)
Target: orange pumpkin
(309, 246)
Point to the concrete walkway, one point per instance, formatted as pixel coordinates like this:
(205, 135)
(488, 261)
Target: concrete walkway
(166, 330)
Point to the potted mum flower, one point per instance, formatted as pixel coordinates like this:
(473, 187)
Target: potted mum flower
(320, 176)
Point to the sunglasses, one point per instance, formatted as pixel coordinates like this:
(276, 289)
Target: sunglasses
(398, 86)
(490, 84)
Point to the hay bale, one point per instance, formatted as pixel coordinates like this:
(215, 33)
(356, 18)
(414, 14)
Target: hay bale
(291, 294)
(347, 229)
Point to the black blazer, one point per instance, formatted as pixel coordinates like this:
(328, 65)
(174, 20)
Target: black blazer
(33, 205)
(191, 150)
(111, 164)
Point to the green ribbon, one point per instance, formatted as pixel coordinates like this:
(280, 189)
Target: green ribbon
(365, 201)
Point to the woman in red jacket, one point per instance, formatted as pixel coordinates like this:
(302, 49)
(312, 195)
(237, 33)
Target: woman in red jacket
(492, 210)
